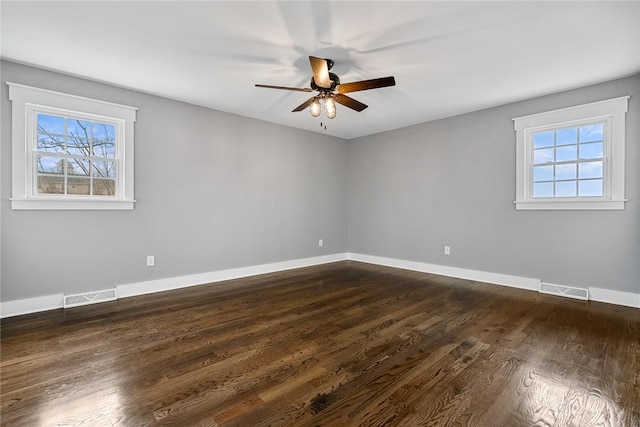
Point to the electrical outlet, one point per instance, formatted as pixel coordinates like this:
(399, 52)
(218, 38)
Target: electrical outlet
(320, 242)
(151, 260)
(447, 250)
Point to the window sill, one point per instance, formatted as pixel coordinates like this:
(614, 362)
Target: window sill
(567, 205)
(65, 204)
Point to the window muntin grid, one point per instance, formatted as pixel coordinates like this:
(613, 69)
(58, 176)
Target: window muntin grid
(75, 156)
(569, 162)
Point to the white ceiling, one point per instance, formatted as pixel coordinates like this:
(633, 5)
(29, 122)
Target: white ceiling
(448, 58)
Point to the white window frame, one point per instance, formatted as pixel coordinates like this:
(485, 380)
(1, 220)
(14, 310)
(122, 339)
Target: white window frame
(26, 103)
(612, 112)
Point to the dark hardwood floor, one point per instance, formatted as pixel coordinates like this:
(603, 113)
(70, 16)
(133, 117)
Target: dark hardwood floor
(335, 345)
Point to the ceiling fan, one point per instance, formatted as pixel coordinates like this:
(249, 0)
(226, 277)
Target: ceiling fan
(330, 90)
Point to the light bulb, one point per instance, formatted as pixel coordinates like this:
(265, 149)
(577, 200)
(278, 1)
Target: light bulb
(330, 108)
(315, 107)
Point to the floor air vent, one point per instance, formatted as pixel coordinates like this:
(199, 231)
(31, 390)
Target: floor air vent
(89, 298)
(564, 291)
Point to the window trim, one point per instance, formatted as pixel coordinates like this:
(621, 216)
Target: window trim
(612, 112)
(26, 101)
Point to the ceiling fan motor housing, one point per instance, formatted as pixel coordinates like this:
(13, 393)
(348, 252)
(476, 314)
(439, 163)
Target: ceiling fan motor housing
(335, 81)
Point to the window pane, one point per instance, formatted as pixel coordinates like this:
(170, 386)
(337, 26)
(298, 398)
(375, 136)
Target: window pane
(566, 189)
(544, 189)
(50, 165)
(50, 143)
(591, 133)
(590, 170)
(78, 185)
(104, 169)
(590, 188)
(78, 167)
(104, 132)
(50, 124)
(542, 173)
(567, 153)
(104, 149)
(543, 139)
(50, 184)
(544, 155)
(566, 171)
(592, 151)
(78, 146)
(567, 136)
(79, 128)
(104, 187)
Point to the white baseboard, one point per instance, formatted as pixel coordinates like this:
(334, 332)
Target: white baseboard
(31, 305)
(50, 302)
(159, 285)
(443, 270)
(628, 299)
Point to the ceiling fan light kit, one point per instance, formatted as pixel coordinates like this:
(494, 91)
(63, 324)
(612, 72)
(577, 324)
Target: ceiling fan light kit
(315, 108)
(331, 90)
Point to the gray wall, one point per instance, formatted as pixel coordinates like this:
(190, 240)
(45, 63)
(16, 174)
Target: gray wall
(214, 191)
(452, 182)
(218, 191)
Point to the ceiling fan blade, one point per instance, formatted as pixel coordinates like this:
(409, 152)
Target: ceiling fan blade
(298, 89)
(320, 72)
(349, 102)
(304, 105)
(366, 84)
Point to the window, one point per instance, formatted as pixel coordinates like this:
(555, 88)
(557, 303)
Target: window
(572, 158)
(568, 162)
(70, 152)
(75, 156)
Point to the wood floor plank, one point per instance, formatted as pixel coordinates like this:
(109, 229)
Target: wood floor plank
(345, 344)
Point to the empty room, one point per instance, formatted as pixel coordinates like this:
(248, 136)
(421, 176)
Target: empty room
(320, 213)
